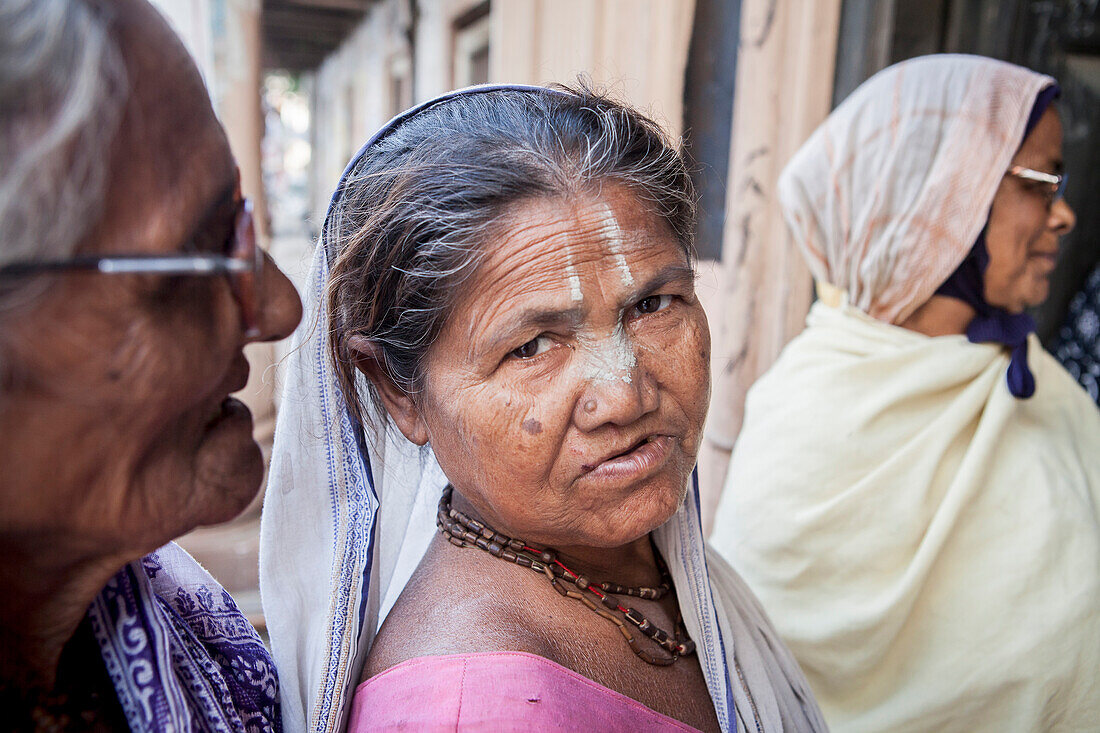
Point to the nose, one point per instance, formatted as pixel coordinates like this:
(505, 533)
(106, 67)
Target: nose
(1061, 220)
(613, 400)
(280, 308)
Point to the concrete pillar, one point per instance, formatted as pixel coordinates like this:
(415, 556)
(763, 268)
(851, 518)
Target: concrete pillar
(237, 43)
(237, 49)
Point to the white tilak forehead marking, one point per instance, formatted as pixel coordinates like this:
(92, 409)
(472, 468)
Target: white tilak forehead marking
(607, 359)
(615, 243)
(574, 280)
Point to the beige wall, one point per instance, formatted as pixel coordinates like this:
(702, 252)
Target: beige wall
(784, 90)
(351, 94)
(530, 41)
(435, 36)
(638, 46)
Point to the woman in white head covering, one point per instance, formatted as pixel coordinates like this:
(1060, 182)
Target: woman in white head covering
(505, 342)
(914, 492)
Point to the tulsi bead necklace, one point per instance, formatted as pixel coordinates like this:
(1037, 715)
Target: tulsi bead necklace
(462, 531)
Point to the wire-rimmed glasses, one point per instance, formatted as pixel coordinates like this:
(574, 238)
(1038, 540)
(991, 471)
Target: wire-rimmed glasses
(242, 265)
(1055, 184)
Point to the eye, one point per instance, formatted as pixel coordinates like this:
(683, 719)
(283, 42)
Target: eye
(532, 348)
(217, 234)
(1044, 190)
(653, 304)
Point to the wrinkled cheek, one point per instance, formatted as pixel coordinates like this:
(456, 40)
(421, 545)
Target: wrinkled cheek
(483, 433)
(681, 362)
(995, 289)
(1003, 287)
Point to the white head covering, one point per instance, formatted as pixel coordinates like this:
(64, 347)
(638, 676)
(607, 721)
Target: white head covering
(889, 194)
(347, 518)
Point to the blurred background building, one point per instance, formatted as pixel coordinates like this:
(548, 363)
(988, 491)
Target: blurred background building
(301, 84)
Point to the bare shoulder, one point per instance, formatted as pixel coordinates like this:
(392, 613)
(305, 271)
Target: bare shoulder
(457, 602)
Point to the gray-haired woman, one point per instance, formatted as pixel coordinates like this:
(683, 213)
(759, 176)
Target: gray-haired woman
(507, 346)
(130, 281)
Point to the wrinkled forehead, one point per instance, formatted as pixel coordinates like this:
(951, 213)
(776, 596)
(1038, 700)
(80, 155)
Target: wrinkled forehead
(1042, 149)
(544, 241)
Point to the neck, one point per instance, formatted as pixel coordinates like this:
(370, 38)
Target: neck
(940, 316)
(46, 594)
(632, 564)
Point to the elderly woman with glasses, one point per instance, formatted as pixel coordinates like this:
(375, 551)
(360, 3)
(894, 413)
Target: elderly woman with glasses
(915, 493)
(481, 513)
(130, 281)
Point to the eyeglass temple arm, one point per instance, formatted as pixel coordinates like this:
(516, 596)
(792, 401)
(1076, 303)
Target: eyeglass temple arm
(1020, 172)
(138, 265)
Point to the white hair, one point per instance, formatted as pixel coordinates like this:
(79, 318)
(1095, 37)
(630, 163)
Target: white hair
(62, 89)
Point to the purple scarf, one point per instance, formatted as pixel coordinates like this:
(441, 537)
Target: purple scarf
(180, 653)
(993, 324)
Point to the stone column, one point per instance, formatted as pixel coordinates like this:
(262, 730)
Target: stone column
(236, 92)
(237, 49)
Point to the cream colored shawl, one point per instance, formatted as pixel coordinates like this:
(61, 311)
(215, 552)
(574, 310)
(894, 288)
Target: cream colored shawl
(927, 545)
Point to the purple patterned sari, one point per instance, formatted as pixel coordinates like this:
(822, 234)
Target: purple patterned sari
(181, 655)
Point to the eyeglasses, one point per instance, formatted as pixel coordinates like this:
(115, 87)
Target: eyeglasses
(1054, 187)
(243, 266)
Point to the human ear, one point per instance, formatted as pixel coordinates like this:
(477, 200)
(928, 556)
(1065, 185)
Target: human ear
(402, 409)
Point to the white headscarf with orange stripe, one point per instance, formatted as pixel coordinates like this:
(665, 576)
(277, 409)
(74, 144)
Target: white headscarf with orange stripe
(889, 194)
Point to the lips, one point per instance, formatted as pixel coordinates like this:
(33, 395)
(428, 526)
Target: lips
(235, 381)
(238, 375)
(1045, 261)
(637, 461)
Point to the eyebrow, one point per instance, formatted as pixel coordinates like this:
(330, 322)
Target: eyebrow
(227, 194)
(548, 318)
(673, 274)
(532, 318)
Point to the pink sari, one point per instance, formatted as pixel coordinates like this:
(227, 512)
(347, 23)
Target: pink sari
(498, 691)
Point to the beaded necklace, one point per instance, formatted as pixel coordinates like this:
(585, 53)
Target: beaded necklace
(462, 531)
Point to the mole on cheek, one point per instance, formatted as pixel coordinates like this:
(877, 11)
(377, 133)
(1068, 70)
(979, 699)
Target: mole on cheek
(532, 426)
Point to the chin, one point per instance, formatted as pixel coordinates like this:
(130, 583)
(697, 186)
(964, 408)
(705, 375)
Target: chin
(223, 492)
(648, 509)
(1039, 295)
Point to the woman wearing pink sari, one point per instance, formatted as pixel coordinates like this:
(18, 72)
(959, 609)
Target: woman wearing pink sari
(482, 512)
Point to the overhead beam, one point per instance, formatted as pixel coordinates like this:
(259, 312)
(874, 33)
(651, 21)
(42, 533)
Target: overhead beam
(354, 6)
(299, 34)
